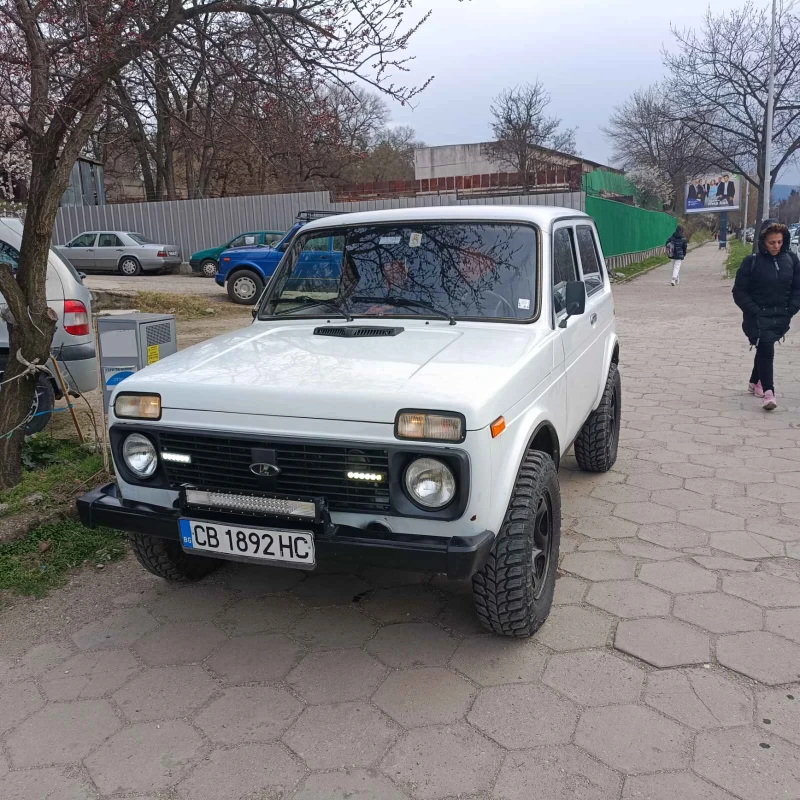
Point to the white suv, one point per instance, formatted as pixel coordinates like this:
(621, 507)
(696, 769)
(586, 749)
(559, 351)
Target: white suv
(405, 405)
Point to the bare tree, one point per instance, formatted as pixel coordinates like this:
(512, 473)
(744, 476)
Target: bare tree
(524, 133)
(57, 62)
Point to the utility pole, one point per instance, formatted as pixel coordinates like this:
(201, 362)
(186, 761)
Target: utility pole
(770, 113)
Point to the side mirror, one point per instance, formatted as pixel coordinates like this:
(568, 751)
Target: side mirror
(68, 244)
(575, 301)
(82, 276)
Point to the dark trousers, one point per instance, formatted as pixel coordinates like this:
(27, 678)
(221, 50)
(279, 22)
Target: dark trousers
(763, 366)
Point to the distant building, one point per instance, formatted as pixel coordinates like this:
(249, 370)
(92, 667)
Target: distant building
(86, 184)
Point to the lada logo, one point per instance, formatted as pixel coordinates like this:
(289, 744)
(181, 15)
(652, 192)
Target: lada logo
(265, 470)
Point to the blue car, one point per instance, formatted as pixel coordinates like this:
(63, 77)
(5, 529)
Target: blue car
(244, 271)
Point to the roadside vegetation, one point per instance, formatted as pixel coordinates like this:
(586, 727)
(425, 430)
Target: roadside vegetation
(185, 307)
(737, 252)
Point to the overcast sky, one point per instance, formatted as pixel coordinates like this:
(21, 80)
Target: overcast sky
(589, 54)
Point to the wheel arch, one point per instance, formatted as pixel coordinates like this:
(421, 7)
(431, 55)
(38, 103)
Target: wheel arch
(545, 439)
(611, 357)
(248, 266)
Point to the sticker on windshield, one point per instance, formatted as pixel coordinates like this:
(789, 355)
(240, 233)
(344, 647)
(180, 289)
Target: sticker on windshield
(415, 240)
(389, 240)
(524, 305)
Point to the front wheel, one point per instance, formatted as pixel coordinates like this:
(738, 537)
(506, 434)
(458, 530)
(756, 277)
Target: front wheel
(167, 559)
(245, 287)
(597, 443)
(129, 267)
(513, 592)
(208, 268)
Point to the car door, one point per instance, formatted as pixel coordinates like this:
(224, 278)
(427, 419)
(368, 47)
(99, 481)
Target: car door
(81, 251)
(576, 336)
(108, 251)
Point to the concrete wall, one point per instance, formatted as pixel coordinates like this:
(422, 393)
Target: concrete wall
(452, 160)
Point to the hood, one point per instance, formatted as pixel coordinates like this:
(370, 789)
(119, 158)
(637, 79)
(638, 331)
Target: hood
(287, 370)
(787, 239)
(209, 252)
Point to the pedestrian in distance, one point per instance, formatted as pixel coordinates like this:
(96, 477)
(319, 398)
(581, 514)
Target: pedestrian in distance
(767, 289)
(677, 246)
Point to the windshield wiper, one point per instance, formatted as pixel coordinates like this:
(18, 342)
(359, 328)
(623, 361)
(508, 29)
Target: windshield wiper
(406, 302)
(306, 300)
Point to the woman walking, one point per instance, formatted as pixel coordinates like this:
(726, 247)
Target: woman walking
(676, 249)
(767, 289)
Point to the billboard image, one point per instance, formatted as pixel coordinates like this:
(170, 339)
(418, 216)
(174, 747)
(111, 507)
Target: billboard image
(713, 193)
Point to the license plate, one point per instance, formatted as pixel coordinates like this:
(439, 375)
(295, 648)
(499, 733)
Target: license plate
(172, 252)
(263, 544)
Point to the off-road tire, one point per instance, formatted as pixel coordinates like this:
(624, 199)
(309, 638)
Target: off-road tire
(597, 443)
(506, 599)
(167, 559)
(130, 264)
(257, 285)
(208, 268)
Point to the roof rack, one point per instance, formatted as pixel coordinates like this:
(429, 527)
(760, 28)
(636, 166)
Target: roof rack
(308, 216)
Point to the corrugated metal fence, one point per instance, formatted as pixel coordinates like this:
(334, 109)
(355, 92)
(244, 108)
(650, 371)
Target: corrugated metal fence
(196, 224)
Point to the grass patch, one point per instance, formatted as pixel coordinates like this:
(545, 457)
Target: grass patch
(42, 559)
(184, 306)
(737, 252)
(642, 266)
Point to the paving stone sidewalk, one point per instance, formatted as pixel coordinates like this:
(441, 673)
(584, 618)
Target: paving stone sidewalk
(670, 667)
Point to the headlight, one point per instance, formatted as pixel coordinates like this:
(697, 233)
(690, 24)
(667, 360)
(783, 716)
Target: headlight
(139, 455)
(430, 426)
(430, 483)
(138, 406)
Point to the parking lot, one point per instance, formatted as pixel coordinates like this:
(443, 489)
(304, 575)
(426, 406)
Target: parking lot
(170, 284)
(669, 668)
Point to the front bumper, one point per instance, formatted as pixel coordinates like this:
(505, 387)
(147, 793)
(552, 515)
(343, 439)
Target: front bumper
(459, 557)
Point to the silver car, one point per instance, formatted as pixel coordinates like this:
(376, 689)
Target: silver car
(73, 342)
(124, 251)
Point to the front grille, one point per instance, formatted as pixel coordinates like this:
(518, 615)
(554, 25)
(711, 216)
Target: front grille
(221, 463)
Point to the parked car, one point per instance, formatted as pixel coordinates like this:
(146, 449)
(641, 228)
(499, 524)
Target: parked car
(205, 261)
(413, 416)
(794, 242)
(128, 253)
(73, 343)
(244, 271)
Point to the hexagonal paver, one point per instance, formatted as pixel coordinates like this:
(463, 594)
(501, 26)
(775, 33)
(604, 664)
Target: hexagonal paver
(201, 601)
(357, 784)
(165, 692)
(569, 590)
(443, 761)
(645, 513)
(774, 492)
(671, 786)
(662, 643)
(745, 545)
(249, 714)
(780, 530)
(333, 627)
(594, 678)
(629, 599)
(260, 615)
(785, 622)
(724, 564)
(148, 757)
(179, 643)
(621, 493)
(333, 676)
(330, 590)
(711, 520)
(718, 612)
(117, 629)
(673, 535)
(519, 716)
(634, 739)
(763, 590)
(762, 656)
(87, 676)
(458, 615)
(62, 733)
(574, 628)
(699, 698)
(778, 712)
(738, 761)
(678, 577)
(403, 604)
(431, 696)
(681, 499)
(788, 568)
(413, 644)
(262, 657)
(255, 580)
(55, 782)
(35, 661)
(645, 550)
(605, 527)
(343, 735)
(18, 701)
(599, 566)
(243, 772)
(494, 660)
(562, 770)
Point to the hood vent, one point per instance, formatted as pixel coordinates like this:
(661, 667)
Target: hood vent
(355, 331)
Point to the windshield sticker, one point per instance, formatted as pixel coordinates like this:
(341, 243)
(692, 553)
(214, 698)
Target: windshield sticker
(524, 305)
(389, 240)
(415, 240)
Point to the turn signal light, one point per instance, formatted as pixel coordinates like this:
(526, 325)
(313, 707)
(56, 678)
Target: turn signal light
(497, 427)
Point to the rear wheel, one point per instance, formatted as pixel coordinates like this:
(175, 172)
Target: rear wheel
(245, 287)
(514, 591)
(129, 266)
(597, 443)
(44, 401)
(167, 559)
(208, 268)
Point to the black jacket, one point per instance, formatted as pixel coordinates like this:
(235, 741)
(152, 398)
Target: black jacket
(679, 246)
(767, 290)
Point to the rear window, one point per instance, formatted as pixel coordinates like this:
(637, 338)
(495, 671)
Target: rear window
(141, 239)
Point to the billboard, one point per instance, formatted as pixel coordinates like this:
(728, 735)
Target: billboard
(708, 194)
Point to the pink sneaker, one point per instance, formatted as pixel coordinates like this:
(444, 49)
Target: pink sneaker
(755, 388)
(770, 403)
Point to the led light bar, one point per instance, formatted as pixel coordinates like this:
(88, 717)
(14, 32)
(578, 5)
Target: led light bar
(257, 505)
(372, 477)
(176, 458)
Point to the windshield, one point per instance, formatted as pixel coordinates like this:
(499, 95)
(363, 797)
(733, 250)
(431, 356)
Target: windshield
(428, 269)
(141, 239)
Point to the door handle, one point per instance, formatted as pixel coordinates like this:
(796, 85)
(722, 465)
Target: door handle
(593, 319)
(90, 249)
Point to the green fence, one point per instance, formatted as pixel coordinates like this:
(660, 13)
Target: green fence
(627, 229)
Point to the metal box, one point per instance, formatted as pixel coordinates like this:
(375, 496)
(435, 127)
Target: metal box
(131, 342)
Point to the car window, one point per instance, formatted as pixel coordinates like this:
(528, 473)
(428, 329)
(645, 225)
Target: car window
(320, 244)
(9, 255)
(141, 239)
(564, 268)
(84, 240)
(272, 238)
(237, 242)
(109, 240)
(590, 262)
(338, 244)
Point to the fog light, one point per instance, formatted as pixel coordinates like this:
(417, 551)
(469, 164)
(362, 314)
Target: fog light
(430, 483)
